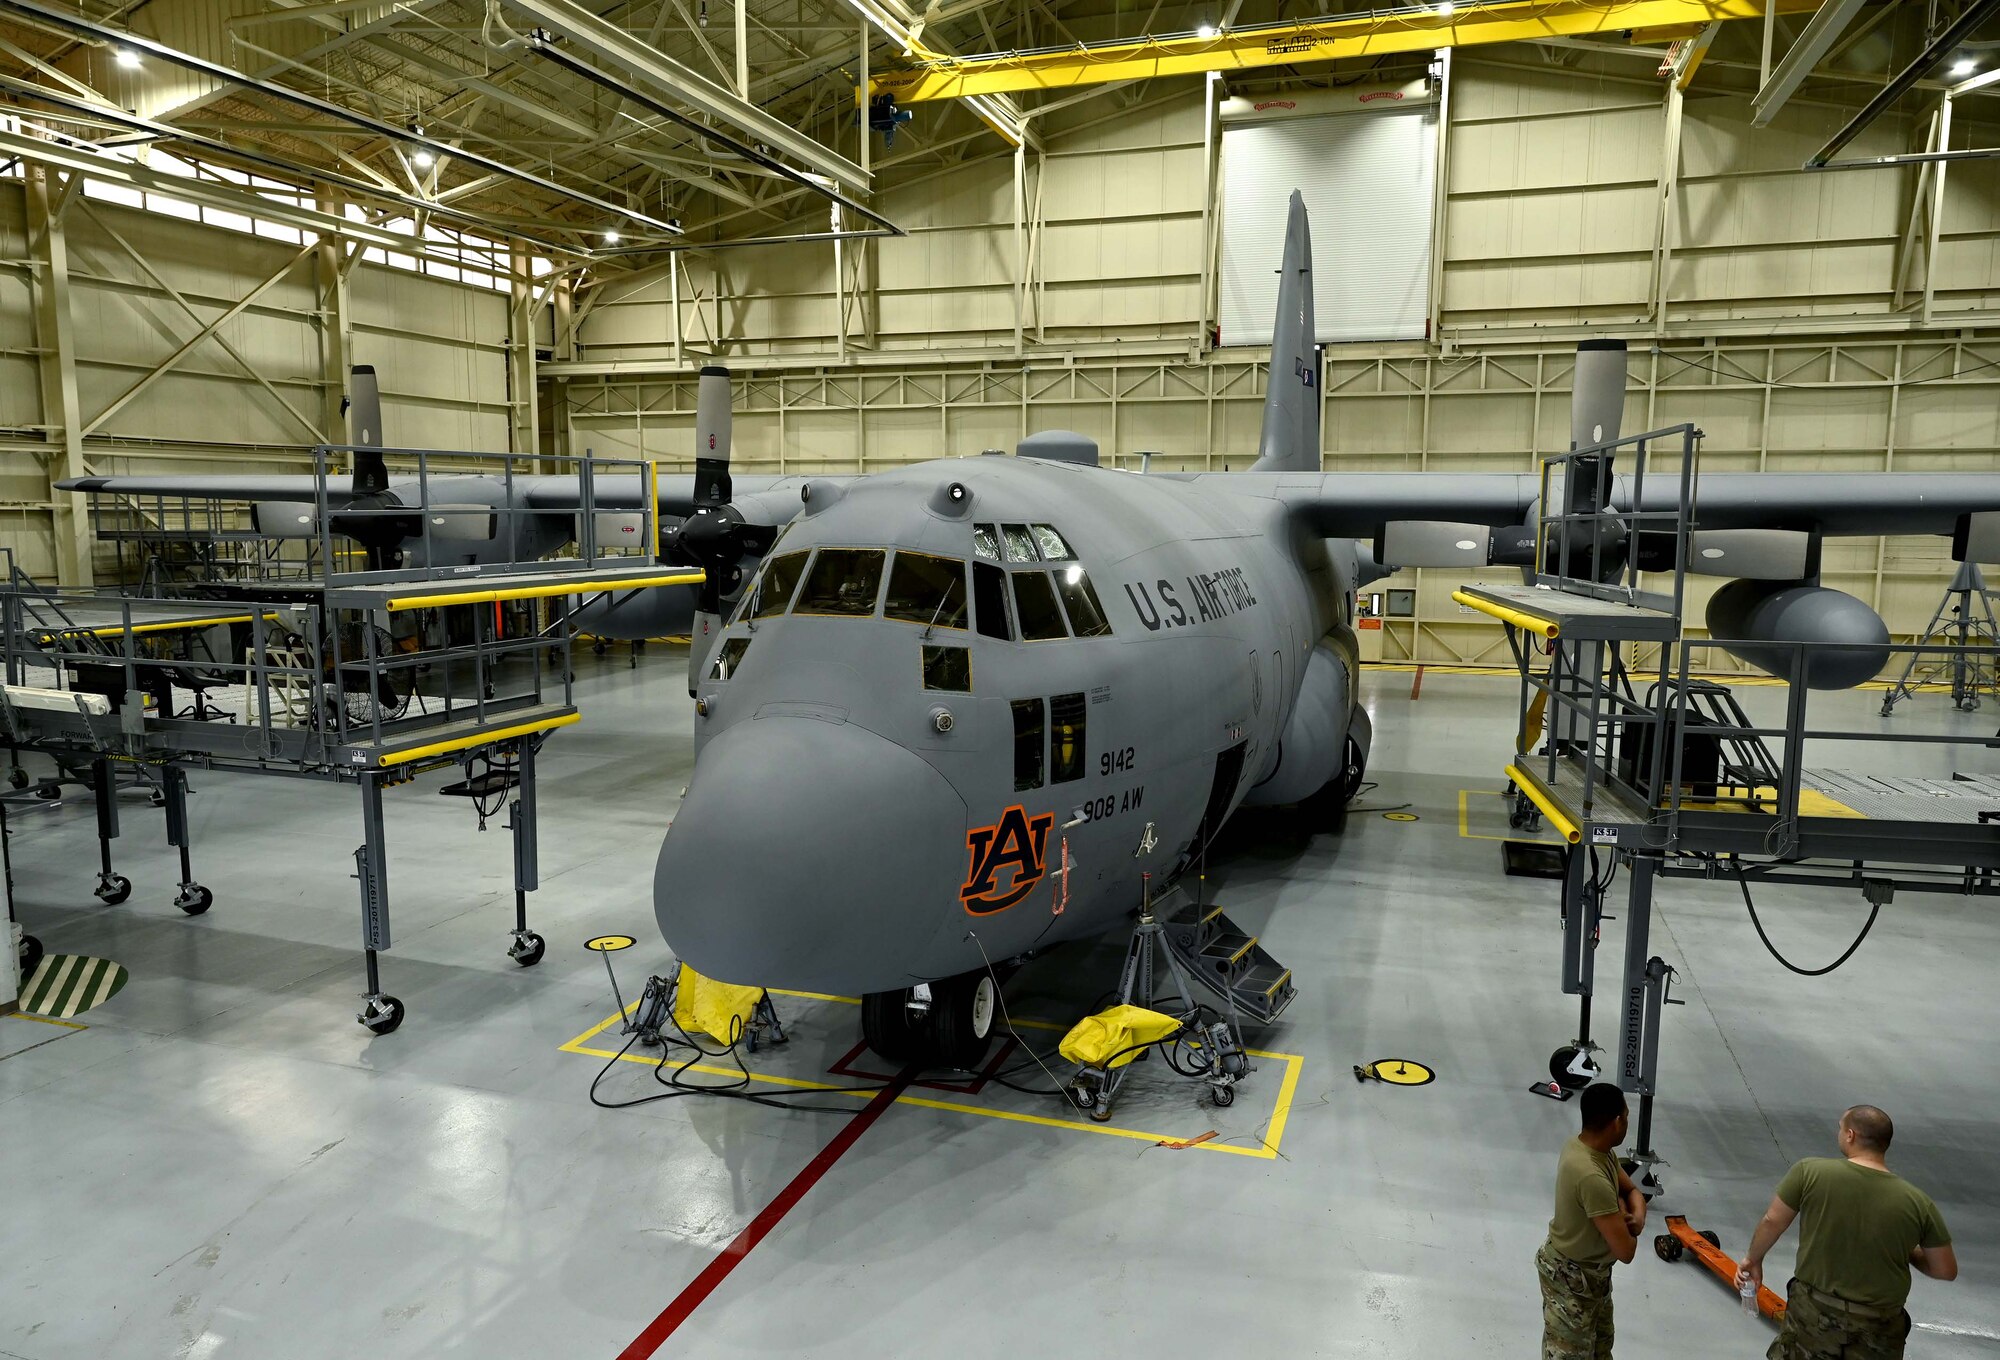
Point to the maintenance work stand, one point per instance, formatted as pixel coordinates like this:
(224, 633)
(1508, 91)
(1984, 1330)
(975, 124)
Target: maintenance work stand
(1646, 765)
(297, 668)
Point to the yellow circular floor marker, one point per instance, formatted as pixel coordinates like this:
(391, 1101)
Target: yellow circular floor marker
(1396, 1072)
(1399, 817)
(605, 944)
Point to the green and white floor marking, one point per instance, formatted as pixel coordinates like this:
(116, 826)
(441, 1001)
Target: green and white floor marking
(63, 985)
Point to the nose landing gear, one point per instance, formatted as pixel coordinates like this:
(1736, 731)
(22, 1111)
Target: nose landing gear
(935, 1024)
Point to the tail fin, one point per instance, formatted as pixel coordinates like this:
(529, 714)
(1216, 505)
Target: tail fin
(1290, 440)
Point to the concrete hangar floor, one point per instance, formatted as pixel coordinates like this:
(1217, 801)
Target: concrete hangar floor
(222, 1163)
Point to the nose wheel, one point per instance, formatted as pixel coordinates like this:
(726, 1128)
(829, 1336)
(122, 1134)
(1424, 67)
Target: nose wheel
(938, 1024)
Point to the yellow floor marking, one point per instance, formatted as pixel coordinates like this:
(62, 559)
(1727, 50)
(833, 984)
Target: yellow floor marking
(1281, 1111)
(46, 1020)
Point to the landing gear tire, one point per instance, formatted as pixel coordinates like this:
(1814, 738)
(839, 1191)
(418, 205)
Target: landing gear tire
(961, 1019)
(381, 1014)
(112, 889)
(527, 948)
(598, 648)
(194, 899)
(956, 1031)
(887, 1026)
(31, 956)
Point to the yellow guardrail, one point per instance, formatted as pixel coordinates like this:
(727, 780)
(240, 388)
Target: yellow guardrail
(475, 739)
(1558, 819)
(569, 586)
(1547, 628)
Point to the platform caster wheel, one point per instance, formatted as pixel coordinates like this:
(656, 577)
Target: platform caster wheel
(194, 899)
(1668, 1248)
(112, 889)
(156, 798)
(381, 1014)
(31, 956)
(1222, 1096)
(48, 793)
(18, 777)
(1559, 1069)
(598, 649)
(527, 948)
(1100, 1113)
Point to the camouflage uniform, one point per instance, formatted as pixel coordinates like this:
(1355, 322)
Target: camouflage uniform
(1576, 1307)
(1823, 1326)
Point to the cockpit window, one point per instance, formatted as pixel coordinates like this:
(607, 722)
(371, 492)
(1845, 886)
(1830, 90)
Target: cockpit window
(927, 590)
(1053, 547)
(1035, 605)
(1020, 545)
(729, 658)
(1086, 615)
(985, 542)
(774, 588)
(842, 581)
(989, 590)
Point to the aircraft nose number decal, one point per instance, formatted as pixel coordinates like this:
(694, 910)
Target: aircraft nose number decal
(1017, 844)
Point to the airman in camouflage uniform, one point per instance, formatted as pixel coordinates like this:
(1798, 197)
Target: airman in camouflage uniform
(1819, 1324)
(1598, 1216)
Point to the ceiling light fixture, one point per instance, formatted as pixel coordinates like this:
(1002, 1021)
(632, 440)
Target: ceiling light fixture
(128, 59)
(1444, 10)
(610, 238)
(1965, 67)
(1205, 31)
(423, 158)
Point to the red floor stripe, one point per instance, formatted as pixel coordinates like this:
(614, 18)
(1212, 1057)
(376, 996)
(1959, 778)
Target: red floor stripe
(760, 1227)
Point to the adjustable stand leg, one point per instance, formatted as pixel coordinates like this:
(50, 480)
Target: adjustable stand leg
(111, 888)
(524, 946)
(1574, 1065)
(379, 1011)
(192, 898)
(1645, 992)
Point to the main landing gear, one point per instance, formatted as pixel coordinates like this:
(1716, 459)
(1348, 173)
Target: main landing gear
(936, 1024)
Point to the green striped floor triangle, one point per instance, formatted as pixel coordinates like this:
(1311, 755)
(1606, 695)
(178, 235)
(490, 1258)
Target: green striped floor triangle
(63, 985)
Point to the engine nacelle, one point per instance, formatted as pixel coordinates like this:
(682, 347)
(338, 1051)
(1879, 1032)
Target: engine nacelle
(1313, 749)
(1851, 643)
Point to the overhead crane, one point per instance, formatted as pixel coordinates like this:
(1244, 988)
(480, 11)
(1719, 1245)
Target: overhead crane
(1373, 33)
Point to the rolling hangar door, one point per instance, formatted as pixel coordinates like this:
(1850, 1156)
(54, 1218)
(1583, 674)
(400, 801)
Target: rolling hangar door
(1365, 158)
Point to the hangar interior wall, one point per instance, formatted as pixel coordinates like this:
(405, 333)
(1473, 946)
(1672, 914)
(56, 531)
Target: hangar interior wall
(160, 386)
(1807, 322)
(1804, 321)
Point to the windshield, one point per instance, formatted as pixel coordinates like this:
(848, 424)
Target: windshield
(775, 586)
(842, 581)
(926, 589)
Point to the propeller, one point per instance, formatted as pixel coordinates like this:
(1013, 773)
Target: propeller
(715, 537)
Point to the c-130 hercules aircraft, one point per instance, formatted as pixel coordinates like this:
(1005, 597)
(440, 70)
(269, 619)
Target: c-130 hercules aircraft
(972, 708)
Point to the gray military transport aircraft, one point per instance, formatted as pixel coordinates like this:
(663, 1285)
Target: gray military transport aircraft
(971, 708)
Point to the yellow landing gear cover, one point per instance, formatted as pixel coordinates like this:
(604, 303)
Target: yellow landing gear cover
(720, 1010)
(1113, 1038)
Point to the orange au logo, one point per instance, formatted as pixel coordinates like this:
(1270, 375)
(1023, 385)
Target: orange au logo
(1016, 843)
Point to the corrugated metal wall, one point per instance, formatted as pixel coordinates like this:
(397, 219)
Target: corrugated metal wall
(1782, 334)
(440, 349)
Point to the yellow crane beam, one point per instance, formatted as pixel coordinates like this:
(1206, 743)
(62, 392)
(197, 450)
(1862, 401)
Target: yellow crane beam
(1312, 40)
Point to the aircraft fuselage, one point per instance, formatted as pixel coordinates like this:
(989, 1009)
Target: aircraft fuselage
(866, 814)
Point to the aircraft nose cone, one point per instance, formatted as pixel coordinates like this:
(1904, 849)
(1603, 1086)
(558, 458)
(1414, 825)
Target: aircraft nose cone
(810, 855)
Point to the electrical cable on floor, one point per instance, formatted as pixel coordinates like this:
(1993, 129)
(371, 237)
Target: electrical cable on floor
(1744, 884)
(999, 996)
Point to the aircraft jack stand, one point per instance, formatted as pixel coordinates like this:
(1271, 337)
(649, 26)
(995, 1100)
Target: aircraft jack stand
(1679, 1239)
(1094, 1090)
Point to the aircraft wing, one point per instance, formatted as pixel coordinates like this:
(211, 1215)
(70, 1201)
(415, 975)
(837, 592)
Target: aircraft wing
(211, 486)
(1357, 504)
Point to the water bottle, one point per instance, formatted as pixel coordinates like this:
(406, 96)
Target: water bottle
(1746, 1288)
